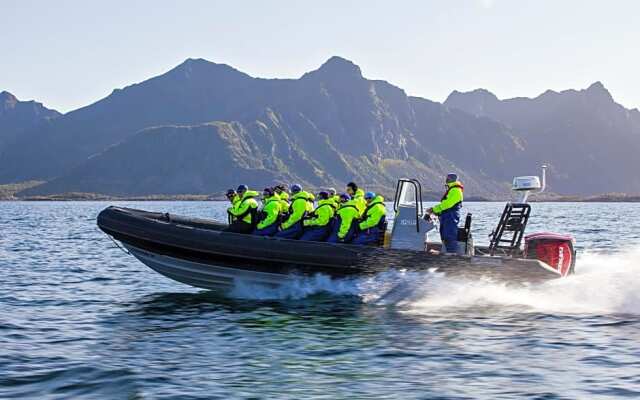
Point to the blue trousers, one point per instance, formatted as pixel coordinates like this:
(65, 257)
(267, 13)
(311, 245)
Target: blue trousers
(333, 238)
(449, 220)
(316, 233)
(292, 232)
(368, 236)
(267, 231)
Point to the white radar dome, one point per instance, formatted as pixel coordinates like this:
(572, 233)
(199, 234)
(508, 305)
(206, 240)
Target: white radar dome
(526, 183)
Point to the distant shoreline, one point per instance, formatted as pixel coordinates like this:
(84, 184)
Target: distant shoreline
(8, 193)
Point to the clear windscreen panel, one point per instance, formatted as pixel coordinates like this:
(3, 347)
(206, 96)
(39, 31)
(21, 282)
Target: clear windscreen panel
(407, 195)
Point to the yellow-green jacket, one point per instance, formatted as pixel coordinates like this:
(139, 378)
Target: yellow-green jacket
(284, 202)
(347, 212)
(374, 212)
(452, 197)
(243, 208)
(310, 200)
(359, 201)
(322, 214)
(297, 209)
(270, 211)
(234, 201)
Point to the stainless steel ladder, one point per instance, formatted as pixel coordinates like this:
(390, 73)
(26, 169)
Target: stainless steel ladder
(507, 236)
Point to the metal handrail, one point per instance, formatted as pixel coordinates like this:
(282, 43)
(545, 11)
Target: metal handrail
(417, 187)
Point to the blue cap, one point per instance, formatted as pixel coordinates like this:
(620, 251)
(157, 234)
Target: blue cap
(242, 188)
(452, 178)
(295, 188)
(345, 196)
(231, 192)
(323, 195)
(369, 195)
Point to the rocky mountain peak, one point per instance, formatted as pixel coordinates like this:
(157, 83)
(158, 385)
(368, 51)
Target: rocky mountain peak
(7, 100)
(201, 68)
(476, 93)
(598, 91)
(336, 67)
(474, 102)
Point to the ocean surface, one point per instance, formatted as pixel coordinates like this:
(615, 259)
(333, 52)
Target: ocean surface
(80, 319)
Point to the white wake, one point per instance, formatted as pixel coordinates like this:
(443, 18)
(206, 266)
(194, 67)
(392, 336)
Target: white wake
(602, 284)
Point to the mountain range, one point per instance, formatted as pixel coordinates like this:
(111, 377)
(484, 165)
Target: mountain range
(203, 127)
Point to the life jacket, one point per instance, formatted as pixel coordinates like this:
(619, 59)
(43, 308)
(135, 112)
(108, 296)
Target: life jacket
(328, 203)
(300, 196)
(378, 200)
(457, 206)
(263, 214)
(315, 214)
(359, 201)
(342, 224)
(251, 212)
(455, 185)
(293, 200)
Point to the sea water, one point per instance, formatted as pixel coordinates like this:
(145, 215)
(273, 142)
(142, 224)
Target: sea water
(81, 319)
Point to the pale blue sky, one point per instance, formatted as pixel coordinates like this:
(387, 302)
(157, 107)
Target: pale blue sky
(68, 54)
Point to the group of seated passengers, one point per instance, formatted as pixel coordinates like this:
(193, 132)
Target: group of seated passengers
(351, 217)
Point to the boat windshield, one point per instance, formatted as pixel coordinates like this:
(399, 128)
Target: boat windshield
(407, 195)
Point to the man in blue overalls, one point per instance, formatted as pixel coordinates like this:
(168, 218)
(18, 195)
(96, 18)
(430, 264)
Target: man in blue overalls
(448, 211)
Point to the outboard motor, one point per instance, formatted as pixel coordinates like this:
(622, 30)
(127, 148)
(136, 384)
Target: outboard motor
(554, 249)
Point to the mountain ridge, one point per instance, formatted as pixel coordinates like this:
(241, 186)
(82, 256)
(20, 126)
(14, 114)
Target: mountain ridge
(18, 116)
(588, 139)
(327, 127)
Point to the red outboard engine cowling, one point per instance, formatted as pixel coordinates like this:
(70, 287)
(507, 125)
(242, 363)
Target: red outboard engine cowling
(554, 249)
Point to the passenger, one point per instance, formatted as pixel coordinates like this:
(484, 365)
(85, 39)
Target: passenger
(318, 227)
(311, 199)
(334, 196)
(448, 211)
(281, 191)
(357, 196)
(374, 220)
(269, 216)
(344, 227)
(244, 212)
(232, 196)
(291, 228)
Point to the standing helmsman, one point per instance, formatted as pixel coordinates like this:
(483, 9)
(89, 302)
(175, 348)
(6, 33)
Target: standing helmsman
(448, 211)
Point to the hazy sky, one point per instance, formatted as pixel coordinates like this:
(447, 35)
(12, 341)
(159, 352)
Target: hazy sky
(68, 54)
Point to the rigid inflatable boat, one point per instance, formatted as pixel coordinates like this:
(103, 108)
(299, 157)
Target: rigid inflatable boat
(199, 253)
